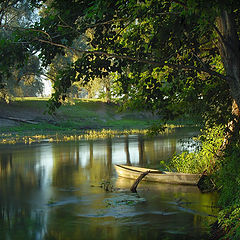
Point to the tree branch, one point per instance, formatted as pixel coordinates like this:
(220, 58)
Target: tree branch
(146, 61)
(49, 76)
(26, 29)
(181, 3)
(168, 13)
(107, 22)
(66, 25)
(219, 34)
(138, 180)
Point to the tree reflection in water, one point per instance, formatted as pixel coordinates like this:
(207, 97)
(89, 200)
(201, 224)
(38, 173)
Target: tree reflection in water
(46, 193)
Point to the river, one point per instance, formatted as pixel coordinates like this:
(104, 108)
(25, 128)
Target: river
(52, 191)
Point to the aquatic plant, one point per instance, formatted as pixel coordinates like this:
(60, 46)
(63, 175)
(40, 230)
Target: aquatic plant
(124, 199)
(66, 136)
(107, 186)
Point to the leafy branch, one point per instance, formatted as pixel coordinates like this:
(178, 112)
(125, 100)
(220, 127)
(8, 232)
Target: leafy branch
(146, 61)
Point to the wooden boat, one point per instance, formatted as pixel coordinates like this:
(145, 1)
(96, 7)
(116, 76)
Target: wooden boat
(126, 183)
(157, 176)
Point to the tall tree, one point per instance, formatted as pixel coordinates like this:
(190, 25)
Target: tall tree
(170, 56)
(18, 62)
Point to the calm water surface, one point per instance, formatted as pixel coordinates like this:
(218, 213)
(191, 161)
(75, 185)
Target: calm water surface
(51, 191)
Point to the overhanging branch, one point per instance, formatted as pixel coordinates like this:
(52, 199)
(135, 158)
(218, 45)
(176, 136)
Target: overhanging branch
(6, 26)
(146, 61)
(107, 22)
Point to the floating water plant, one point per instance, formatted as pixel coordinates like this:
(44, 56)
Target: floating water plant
(124, 199)
(107, 186)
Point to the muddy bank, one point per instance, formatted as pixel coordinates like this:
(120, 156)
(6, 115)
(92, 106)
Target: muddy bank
(14, 113)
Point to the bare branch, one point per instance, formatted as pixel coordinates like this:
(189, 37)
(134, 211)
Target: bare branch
(198, 69)
(49, 76)
(41, 31)
(168, 13)
(66, 25)
(199, 60)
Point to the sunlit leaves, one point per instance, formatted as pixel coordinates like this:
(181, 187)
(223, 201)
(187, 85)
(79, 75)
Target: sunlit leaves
(165, 32)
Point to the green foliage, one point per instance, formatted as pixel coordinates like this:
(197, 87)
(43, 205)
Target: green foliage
(229, 220)
(225, 174)
(228, 180)
(203, 159)
(188, 163)
(158, 51)
(156, 128)
(17, 60)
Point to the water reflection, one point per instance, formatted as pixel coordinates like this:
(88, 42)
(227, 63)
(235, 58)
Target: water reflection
(51, 191)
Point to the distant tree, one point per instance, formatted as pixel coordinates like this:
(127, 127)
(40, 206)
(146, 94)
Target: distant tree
(24, 80)
(18, 63)
(99, 88)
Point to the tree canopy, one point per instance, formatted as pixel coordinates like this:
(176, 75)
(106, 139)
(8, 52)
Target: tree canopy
(171, 57)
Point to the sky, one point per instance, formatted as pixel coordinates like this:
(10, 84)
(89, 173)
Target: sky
(47, 88)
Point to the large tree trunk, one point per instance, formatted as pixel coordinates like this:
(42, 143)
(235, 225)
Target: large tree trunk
(229, 48)
(232, 129)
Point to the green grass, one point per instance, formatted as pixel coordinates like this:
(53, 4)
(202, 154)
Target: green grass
(129, 123)
(75, 115)
(79, 114)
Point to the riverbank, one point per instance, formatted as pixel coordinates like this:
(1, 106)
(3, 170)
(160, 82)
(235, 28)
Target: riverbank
(31, 113)
(26, 120)
(29, 116)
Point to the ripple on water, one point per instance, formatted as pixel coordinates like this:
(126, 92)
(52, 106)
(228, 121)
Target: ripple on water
(71, 200)
(122, 206)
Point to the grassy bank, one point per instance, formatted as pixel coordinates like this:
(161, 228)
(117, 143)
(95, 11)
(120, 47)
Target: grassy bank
(75, 115)
(79, 114)
(26, 120)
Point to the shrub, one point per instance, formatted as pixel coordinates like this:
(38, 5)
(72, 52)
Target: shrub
(204, 158)
(228, 180)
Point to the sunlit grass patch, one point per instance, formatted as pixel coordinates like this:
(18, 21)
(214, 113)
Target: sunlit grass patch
(31, 99)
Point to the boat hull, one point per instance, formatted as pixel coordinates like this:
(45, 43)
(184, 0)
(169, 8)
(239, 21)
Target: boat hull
(157, 176)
